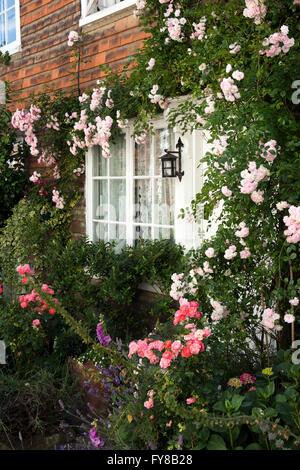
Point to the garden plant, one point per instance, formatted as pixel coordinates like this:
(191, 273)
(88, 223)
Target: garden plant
(214, 364)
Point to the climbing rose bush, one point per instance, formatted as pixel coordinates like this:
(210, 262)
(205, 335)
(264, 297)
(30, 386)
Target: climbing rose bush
(187, 345)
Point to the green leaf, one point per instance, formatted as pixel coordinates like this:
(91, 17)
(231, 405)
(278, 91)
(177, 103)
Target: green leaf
(254, 446)
(216, 442)
(237, 400)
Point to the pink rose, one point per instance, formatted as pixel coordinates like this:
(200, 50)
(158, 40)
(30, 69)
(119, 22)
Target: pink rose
(190, 400)
(149, 403)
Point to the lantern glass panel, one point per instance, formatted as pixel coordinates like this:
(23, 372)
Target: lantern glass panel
(169, 167)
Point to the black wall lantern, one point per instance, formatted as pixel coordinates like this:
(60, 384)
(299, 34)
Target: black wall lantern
(169, 162)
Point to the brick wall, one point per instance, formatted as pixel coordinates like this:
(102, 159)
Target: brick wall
(45, 60)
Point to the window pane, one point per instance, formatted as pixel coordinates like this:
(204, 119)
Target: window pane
(107, 3)
(164, 201)
(142, 201)
(2, 6)
(117, 233)
(99, 163)
(100, 232)
(141, 233)
(161, 233)
(118, 200)
(11, 26)
(117, 162)
(100, 206)
(164, 139)
(2, 31)
(142, 157)
(9, 3)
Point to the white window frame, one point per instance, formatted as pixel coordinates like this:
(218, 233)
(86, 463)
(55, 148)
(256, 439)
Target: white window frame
(189, 234)
(14, 46)
(86, 18)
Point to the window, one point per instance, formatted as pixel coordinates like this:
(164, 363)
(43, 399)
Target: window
(127, 198)
(10, 26)
(92, 10)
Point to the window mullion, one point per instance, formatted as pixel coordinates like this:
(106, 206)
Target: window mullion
(152, 152)
(130, 156)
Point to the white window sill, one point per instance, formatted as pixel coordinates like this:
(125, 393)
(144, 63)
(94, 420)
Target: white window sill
(12, 48)
(106, 12)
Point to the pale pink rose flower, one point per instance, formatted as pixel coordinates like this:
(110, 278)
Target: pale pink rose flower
(288, 318)
(226, 192)
(151, 64)
(294, 302)
(210, 252)
(237, 75)
(149, 403)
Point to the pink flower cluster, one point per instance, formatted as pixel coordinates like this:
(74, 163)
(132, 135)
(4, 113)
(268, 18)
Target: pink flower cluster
(293, 225)
(140, 139)
(22, 270)
(34, 298)
(269, 317)
(210, 108)
(177, 288)
(244, 379)
(234, 48)
(219, 311)
(53, 124)
(230, 252)
(226, 191)
(24, 121)
(156, 98)
(220, 145)
(251, 178)
(289, 318)
(109, 102)
(96, 98)
(94, 134)
(230, 90)
(171, 349)
(255, 9)
(122, 123)
(188, 309)
(269, 151)
(35, 177)
(174, 28)
(190, 400)
(149, 403)
(244, 232)
(57, 199)
(151, 64)
(199, 29)
(294, 302)
(210, 252)
(244, 254)
(247, 379)
(282, 205)
(278, 42)
(73, 37)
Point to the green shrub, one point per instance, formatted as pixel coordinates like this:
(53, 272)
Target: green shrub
(13, 175)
